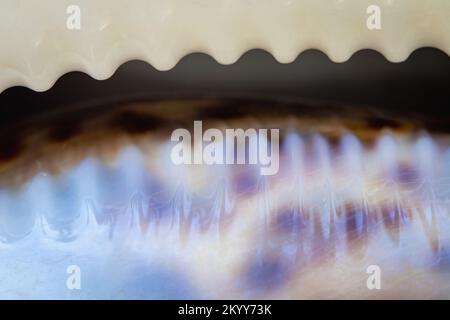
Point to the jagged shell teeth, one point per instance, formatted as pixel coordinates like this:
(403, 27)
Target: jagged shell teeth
(38, 47)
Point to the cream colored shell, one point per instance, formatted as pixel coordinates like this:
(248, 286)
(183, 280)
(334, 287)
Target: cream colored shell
(37, 47)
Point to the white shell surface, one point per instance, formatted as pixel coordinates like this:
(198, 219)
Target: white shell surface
(37, 47)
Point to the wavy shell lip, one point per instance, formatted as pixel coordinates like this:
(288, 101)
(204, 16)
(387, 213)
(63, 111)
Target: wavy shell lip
(161, 32)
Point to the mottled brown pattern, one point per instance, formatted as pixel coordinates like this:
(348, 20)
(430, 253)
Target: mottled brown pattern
(380, 123)
(11, 146)
(85, 127)
(64, 131)
(135, 123)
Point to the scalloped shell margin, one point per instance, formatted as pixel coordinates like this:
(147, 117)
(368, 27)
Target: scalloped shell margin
(38, 48)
